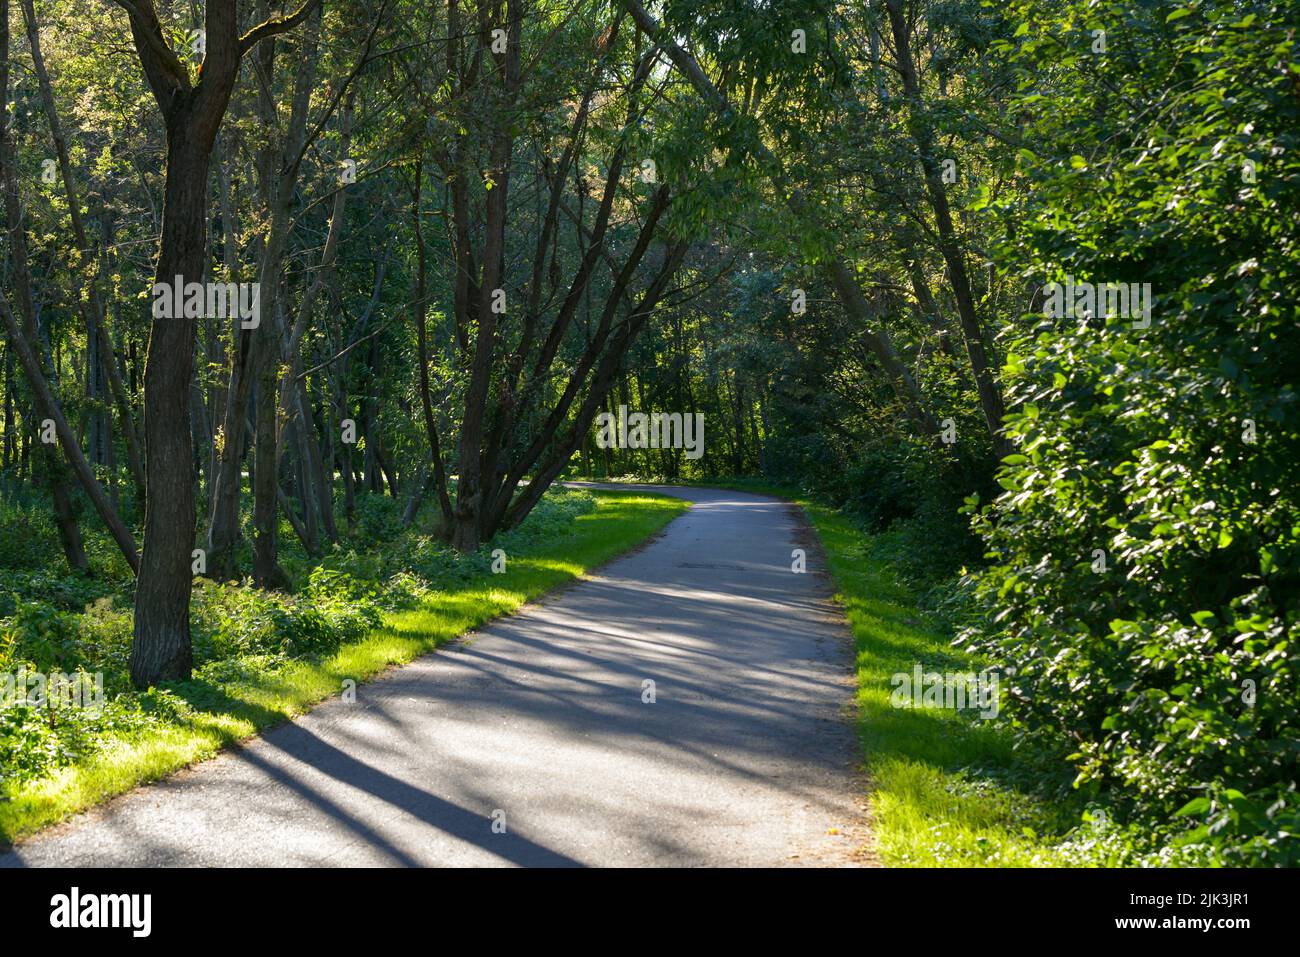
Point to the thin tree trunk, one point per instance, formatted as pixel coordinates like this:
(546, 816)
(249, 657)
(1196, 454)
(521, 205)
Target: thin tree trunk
(438, 474)
(990, 394)
(95, 313)
(467, 530)
(25, 341)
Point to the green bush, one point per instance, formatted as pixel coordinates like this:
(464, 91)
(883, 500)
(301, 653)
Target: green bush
(552, 517)
(26, 535)
(378, 518)
(62, 589)
(233, 621)
(40, 635)
(1145, 581)
(35, 741)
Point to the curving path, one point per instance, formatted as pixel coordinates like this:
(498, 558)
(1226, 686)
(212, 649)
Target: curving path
(747, 755)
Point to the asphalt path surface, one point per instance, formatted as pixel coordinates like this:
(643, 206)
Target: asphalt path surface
(536, 741)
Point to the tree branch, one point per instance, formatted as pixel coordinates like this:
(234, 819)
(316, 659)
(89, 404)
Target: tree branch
(275, 26)
(166, 74)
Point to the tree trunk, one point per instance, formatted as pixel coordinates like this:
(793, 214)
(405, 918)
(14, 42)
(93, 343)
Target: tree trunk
(438, 475)
(986, 384)
(467, 529)
(161, 649)
(267, 572)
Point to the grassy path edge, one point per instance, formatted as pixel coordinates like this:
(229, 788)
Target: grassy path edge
(217, 719)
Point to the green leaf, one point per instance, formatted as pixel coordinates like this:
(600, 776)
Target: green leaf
(1196, 806)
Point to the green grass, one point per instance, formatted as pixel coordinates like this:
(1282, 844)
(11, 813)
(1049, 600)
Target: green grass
(213, 717)
(947, 789)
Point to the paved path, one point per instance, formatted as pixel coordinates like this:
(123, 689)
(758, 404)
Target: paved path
(746, 756)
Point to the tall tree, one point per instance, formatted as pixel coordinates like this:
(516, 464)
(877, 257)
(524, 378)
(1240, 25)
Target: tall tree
(192, 109)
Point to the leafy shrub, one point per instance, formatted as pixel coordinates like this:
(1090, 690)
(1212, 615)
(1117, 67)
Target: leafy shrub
(552, 517)
(64, 590)
(360, 565)
(42, 636)
(235, 621)
(437, 563)
(334, 585)
(104, 640)
(26, 535)
(1145, 585)
(35, 741)
(378, 518)
(404, 590)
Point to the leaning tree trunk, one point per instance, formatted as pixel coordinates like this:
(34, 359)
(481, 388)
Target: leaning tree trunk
(467, 530)
(55, 473)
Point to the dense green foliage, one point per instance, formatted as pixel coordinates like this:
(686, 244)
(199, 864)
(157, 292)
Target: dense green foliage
(948, 790)
(837, 231)
(243, 636)
(1146, 552)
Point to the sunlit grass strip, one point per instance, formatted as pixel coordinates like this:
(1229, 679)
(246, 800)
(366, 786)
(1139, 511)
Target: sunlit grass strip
(944, 785)
(222, 715)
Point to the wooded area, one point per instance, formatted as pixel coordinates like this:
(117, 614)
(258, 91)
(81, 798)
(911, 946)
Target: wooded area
(892, 251)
